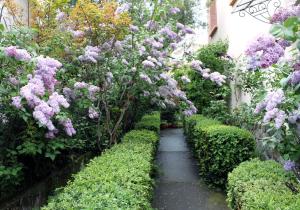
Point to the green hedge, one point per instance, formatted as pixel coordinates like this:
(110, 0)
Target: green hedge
(149, 122)
(262, 185)
(219, 148)
(118, 179)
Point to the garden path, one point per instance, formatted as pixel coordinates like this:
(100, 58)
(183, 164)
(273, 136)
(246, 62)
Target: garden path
(178, 186)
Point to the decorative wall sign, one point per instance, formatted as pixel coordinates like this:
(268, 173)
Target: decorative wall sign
(259, 9)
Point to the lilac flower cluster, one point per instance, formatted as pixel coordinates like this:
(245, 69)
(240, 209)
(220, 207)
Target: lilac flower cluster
(42, 80)
(174, 11)
(170, 92)
(151, 25)
(68, 127)
(166, 31)
(264, 52)
(283, 14)
(18, 54)
(123, 8)
(91, 54)
(93, 114)
(145, 77)
(216, 77)
(92, 90)
(270, 105)
(185, 79)
(289, 165)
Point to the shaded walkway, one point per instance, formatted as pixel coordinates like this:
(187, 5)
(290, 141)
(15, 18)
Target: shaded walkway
(178, 185)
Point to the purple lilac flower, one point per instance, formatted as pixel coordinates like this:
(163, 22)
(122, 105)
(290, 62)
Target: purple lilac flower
(274, 98)
(295, 77)
(18, 54)
(169, 33)
(134, 28)
(188, 30)
(283, 14)
(196, 65)
(118, 46)
(68, 127)
(174, 10)
(43, 114)
(217, 78)
(180, 26)
(297, 66)
(92, 92)
(109, 77)
(294, 116)
(56, 101)
(80, 85)
(51, 134)
(151, 25)
(77, 34)
(185, 79)
(60, 16)
(17, 102)
(148, 64)
(279, 119)
(69, 94)
(289, 165)
(46, 70)
(14, 80)
(123, 8)
(266, 50)
(91, 54)
(93, 114)
(145, 77)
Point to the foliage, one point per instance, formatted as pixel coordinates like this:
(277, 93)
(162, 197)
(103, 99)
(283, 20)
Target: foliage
(219, 110)
(149, 122)
(219, 148)
(262, 185)
(119, 179)
(278, 103)
(201, 91)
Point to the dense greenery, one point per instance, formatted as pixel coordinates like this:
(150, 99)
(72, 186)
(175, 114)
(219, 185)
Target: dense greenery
(149, 122)
(219, 148)
(204, 92)
(119, 179)
(262, 185)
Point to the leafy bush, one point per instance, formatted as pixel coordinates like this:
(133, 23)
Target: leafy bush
(219, 148)
(149, 122)
(262, 185)
(119, 179)
(201, 91)
(197, 121)
(218, 109)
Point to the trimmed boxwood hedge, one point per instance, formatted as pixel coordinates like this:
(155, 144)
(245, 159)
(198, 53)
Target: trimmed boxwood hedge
(219, 148)
(118, 179)
(149, 122)
(262, 185)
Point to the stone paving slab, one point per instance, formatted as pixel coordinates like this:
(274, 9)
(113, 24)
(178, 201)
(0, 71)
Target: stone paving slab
(178, 185)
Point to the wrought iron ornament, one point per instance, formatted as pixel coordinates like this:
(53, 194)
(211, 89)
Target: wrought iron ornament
(261, 10)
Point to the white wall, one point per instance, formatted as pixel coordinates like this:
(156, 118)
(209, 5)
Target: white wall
(239, 31)
(8, 21)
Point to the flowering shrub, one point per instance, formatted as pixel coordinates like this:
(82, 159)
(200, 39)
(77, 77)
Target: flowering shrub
(278, 104)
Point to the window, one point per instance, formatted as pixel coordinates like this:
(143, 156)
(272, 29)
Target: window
(213, 18)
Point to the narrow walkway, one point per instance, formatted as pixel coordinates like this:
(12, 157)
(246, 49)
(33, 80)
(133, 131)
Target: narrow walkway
(178, 185)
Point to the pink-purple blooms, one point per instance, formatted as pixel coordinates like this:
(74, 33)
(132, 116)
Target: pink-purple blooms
(289, 165)
(91, 54)
(283, 14)
(264, 52)
(18, 54)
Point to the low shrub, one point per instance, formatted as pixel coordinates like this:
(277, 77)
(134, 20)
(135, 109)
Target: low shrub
(220, 149)
(119, 179)
(196, 122)
(149, 122)
(262, 185)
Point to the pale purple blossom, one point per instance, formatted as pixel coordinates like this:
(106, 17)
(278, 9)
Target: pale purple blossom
(14, 80)
(185, 79)
(265, 50)
(283, 14)
(80, 85)
(145, 77)
(289, 165)
(174, 10)
(134, 28)
(18, 54)
(169, 33)
(77, 34)
(17, 102)
(56, 101)
(123, 8)
(180, 26)
(148, 64)
(218, 78)
(60, 16)
(68, 127)
(91, 54)
(151, 25)
(93, 114)
(109, 77)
